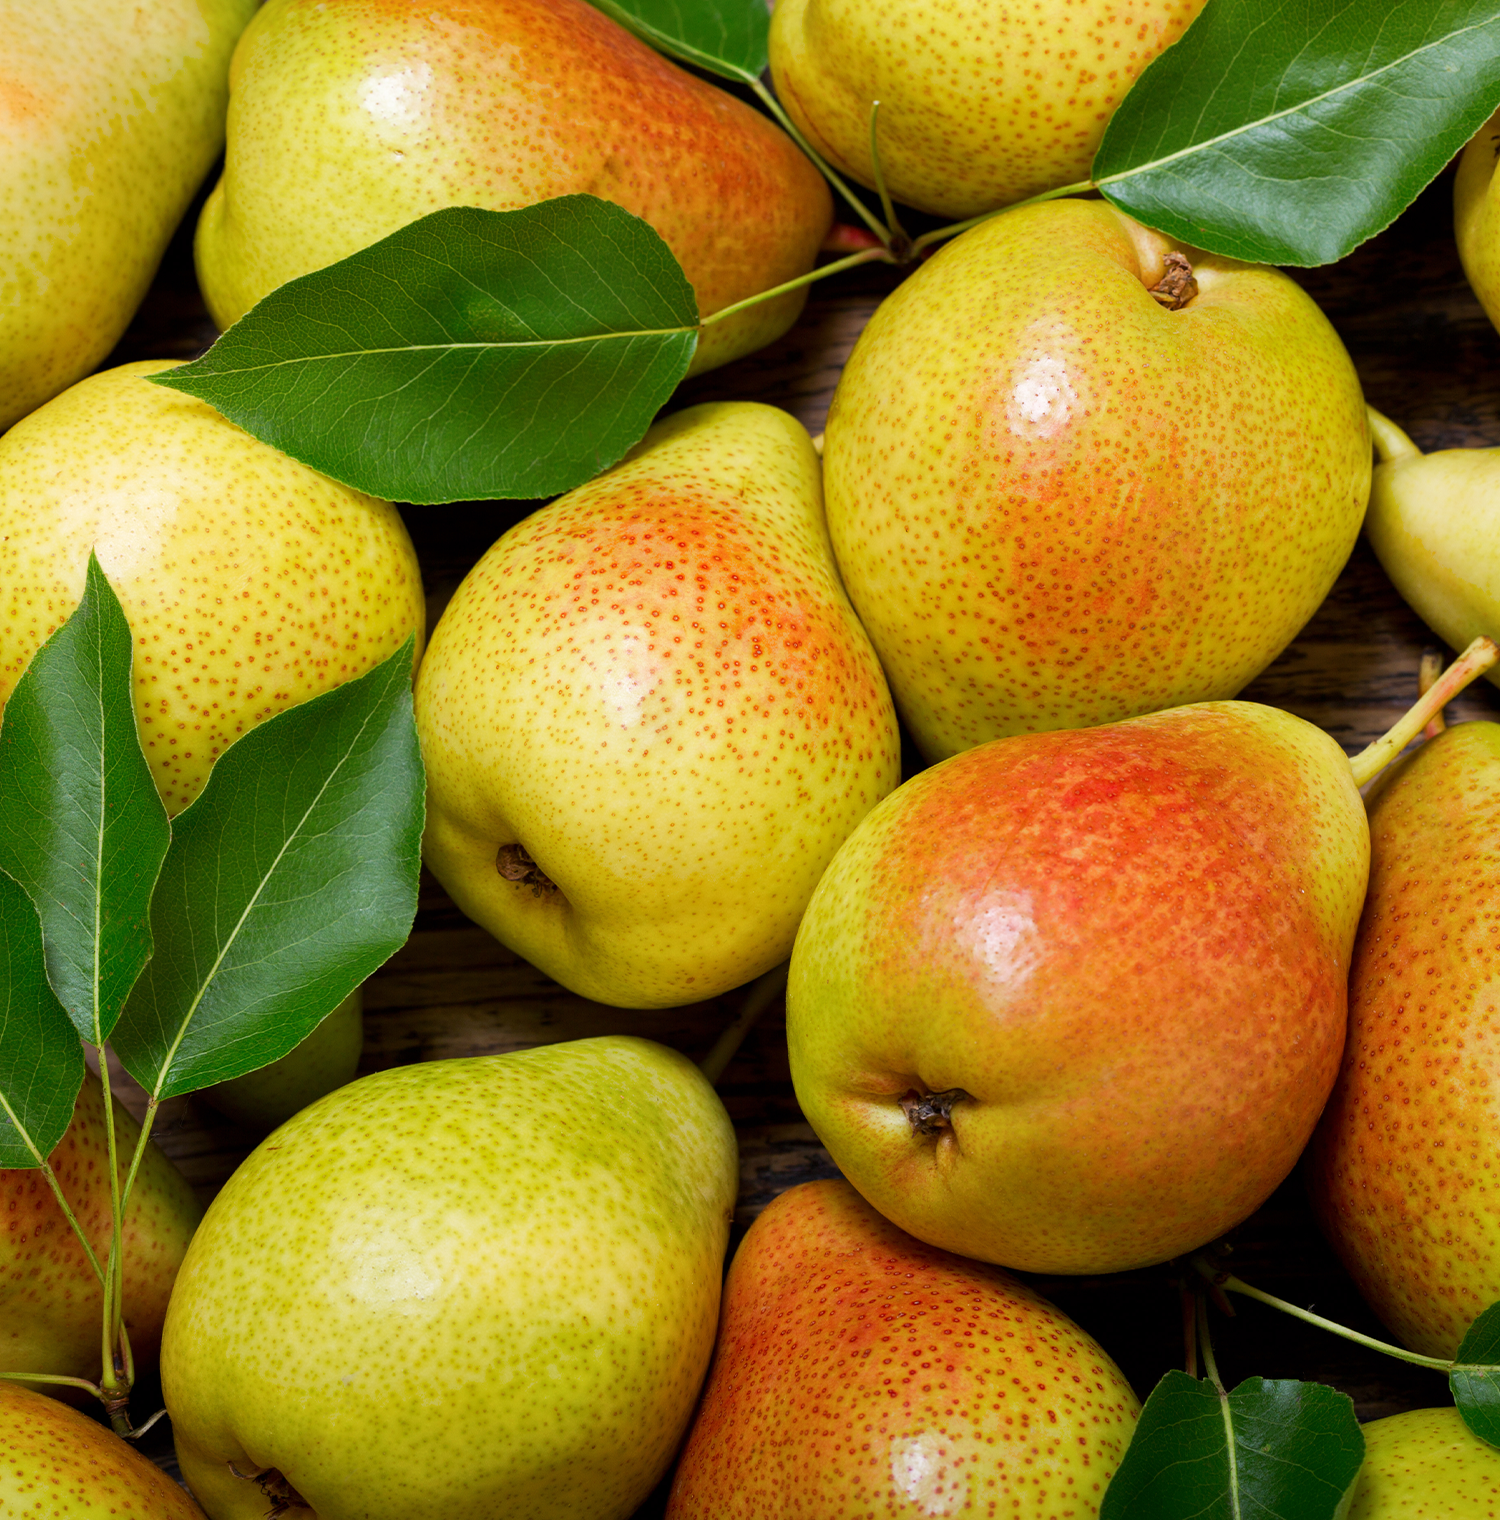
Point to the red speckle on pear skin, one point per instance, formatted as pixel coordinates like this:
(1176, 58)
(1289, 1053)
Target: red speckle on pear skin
(861, 1375)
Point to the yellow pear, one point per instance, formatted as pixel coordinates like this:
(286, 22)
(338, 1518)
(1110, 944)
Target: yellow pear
(649, 717)
(250, 582)
(1476, 215)
(1426, 1464)
(350, 118)
(1076, 472)
(982, 102)
(110, 115)
(459, 1290)
(51, 1311)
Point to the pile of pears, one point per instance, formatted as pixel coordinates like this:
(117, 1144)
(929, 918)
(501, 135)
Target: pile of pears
(1072, 999)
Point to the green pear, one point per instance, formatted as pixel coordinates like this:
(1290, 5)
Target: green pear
(859, 1372)
(1426, 1464)
(326, 1059)
(1401, 1170)
(56, 1464)
(51, 1308)
(350, 118)
(1476, 215)
(457, 1290)
(1072, 1002)
(250, 582)
(982, 102)
(649, 717)
(1434, 523)
(112, 115)
(1055, 502)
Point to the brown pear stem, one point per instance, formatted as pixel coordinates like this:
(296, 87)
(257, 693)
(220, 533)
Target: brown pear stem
(763, 992)
(1428, 672)
(1390, 442)
(1473, 662)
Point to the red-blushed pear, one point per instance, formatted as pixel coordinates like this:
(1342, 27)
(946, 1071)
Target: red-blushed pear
(860, 1372)
(1402, 1169)
(350, 118)
(1076, 472)
(51, 1310)
(649, 717)
(1073, 1002)
(56, 1464)
(1426, 1464)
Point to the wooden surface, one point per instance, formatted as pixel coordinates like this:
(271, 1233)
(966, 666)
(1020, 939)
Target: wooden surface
(1427, 356)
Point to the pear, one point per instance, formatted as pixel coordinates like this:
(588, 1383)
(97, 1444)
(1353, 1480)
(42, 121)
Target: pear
(861, 1372)
(649, 717)
(457, 1290)
(55, 1464)
(112, 115)
(1425, 1464)
(326, 1059)
(1072, 1002)
(250, 582)
(350, 118)
(1055, 502)
(51, 1309)
(1401, 1170)
(1476, 215)
(1434, 523)
(982, 102)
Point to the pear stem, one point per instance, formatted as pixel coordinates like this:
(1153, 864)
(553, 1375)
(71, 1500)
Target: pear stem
(764, 991)
(1205, 1344)
(1428, 672)
(1473, 662)
(47, 1377)
(1390, 442)
(927, 239)
(864, 256)
(899, 242)
(114, 1267)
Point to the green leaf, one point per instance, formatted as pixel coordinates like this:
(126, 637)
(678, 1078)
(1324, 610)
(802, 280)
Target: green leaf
(1288, 131)
(41, 1061)
(1475, 1379)
(726, 37)
(1274, 1450)
(472, 354)
(289, 880)
(85, 830)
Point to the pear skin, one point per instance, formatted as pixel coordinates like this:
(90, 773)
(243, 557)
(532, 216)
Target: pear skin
(1476, 215)
(1057, 503)
(110, 115)
(56, 1464)
(1401, 1170)
(1072, 1002)
(859, 1372)
(350, 118)
(250, 582)
(656, 691)
(1426, 1464)
(982, 102)
(458, 1290)
(51, 1311)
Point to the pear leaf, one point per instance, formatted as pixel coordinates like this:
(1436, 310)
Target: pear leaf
(41, 1060)
(726, 37)
(1275, 1450)
(290, 878)
(85, 830)
(1475, 1378)
(471, 354)
(1289, 131)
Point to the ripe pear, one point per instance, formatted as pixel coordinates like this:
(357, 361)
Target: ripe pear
(1072, 1002)
(1434, 523)
(250, 582)
(1476, 215)
(982, 102)
(110, 115)
(861, 1372)
(326, 1059)
(350, 118)
(457, 1290)
(56, 1464)
(1426, 1464)
(649, 717)
(51, 1309)
(1401, 1170)
(1056, 502)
